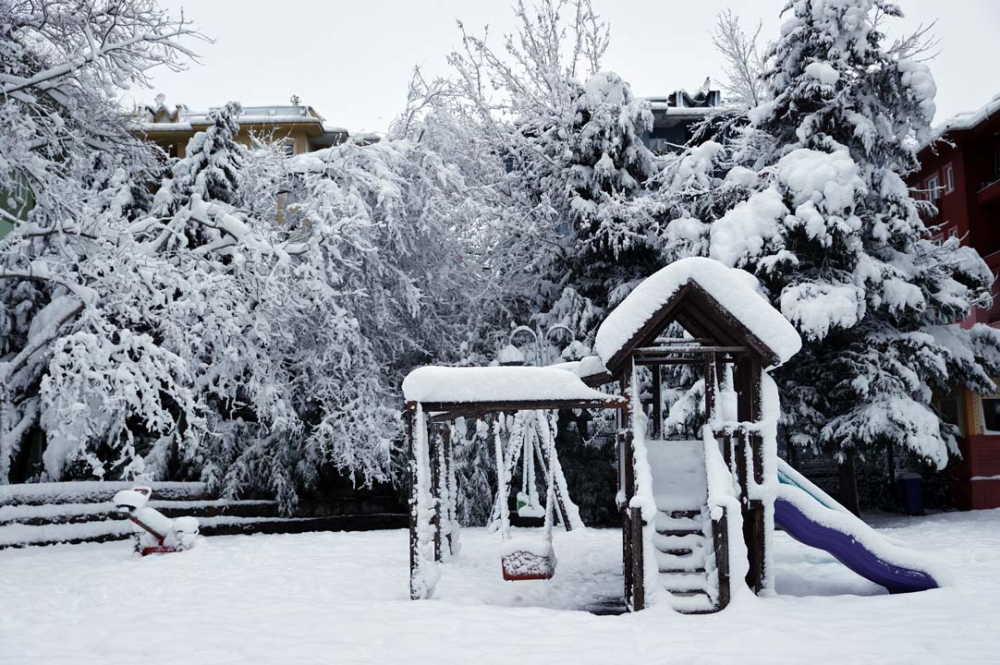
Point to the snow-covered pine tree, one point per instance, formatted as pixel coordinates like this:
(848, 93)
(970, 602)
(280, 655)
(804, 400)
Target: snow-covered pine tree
(835, 237)
(606, 166)
(210, 165)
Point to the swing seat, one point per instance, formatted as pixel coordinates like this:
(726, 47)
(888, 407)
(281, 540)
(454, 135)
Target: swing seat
(527, 559)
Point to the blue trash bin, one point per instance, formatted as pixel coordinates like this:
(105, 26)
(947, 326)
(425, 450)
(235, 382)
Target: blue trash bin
(911, 488)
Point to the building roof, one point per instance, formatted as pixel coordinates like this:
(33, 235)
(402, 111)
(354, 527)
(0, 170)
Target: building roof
(159, 117)
(967, 120)
(681, 103)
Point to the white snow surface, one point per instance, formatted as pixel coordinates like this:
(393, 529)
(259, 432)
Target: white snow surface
(342, 597)
(679, 479)
(736, 290)
(496, 384)
(823, 72)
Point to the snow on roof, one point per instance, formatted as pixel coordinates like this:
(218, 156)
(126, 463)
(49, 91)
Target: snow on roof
(734, 289)
(497, 384)
(968, 120)
(583, 368)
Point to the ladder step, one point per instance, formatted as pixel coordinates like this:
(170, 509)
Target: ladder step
(681, 532)
(666, 542)
(684, 582)
(692, 603)
(665, 522)
(671, 563)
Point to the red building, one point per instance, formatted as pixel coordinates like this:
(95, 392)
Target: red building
(960, 173)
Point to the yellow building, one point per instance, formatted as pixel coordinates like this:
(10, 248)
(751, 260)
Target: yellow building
(297, 126)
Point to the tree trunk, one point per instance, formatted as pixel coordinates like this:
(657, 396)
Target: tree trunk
(849, 484)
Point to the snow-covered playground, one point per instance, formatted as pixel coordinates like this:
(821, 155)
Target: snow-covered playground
(343, 598)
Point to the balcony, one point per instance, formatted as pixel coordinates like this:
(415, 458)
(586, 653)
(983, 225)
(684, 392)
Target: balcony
(989, 193)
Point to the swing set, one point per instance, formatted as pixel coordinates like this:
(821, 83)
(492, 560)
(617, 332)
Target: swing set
(521, 399)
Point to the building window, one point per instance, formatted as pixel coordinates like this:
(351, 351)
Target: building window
(288, 146)
(933, 188)
(991, 415)
(949, 180)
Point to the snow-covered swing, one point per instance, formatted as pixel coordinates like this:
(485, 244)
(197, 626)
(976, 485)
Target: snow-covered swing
(437, 396)
(525, 557)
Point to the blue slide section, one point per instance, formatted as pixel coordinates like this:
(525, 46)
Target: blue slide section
(811, 517)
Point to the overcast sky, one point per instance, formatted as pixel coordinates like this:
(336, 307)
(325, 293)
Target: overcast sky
(352, 59)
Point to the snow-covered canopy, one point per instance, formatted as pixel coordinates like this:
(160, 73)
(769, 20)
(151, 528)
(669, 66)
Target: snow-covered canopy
(497, 384)
(733, 289)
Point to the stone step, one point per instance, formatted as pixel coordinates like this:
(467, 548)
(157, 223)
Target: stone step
(93, 512)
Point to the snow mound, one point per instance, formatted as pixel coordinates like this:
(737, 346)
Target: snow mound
(733, 289)
(496, 384)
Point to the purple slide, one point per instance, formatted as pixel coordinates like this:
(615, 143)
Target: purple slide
(850, 541)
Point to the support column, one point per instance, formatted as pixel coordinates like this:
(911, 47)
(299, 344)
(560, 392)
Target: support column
(449, 471)
(750, 464)
(657, 403)
(411, 464)
(436, 494)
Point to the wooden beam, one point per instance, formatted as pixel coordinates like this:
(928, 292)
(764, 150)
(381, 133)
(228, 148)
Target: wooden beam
(659, 351)
(654, 362)
(443, 411)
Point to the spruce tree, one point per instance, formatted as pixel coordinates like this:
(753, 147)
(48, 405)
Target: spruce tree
(210, 167)
(835, 237)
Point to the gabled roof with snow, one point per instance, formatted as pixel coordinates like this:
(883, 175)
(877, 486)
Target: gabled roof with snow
(738, 313)
(490, 385)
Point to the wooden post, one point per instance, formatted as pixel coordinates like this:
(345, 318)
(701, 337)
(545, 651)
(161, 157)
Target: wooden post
(752, 447)
(657, 403)
(449, 471)
(638, 584)
(627, 476)
(710, 388)
(411, 462)
(720, 536)
(635, 585)
(435, 459)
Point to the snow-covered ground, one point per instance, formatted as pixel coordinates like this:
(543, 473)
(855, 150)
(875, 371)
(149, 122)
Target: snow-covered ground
(342, 598)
